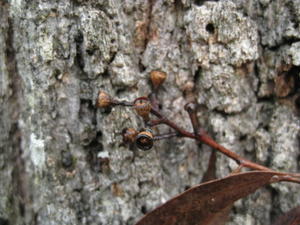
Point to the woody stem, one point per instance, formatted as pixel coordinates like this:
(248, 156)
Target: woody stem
(203, 137)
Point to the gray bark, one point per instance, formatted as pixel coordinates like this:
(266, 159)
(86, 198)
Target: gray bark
(61, 158)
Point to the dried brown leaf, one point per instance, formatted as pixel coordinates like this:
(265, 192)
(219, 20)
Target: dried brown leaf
(200, 204)
(292, 217)
(210, 173)
(221, 217)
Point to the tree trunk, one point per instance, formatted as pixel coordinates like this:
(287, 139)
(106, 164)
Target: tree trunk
(62, 160)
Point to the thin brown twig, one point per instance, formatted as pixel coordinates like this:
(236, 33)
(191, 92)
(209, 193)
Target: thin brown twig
(191, 109)
(166, 136)
(203, 137)
(122, 103)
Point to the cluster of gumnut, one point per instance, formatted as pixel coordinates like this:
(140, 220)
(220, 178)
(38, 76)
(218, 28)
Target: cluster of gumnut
(143, 139)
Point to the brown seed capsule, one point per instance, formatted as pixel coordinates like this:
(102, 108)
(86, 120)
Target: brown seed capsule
(129, 135)
(143, 107)
(144, 140)
(157, 78)
(104, 100)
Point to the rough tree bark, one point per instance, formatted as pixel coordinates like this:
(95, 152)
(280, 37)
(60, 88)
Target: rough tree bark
(61, 159)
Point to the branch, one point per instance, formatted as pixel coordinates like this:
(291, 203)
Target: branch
(203, 137)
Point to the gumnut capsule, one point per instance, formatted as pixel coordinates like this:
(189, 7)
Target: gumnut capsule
(104, 100)
(144, 140)
(129, 135)
(143, 107)
(157, 78)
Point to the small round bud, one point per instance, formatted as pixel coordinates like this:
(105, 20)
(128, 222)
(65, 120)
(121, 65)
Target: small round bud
(157, 78)
(144, 140)
(142, 107)
(129, 135)
(104, 100)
